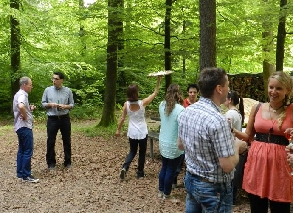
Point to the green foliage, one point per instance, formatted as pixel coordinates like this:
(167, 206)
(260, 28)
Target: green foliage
(61, 35)
(85, 111)
(96, 130)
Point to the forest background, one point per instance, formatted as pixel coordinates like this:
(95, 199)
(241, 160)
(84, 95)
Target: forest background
(125, 40)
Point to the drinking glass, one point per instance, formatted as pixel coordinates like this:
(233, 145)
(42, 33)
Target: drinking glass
(32, 106)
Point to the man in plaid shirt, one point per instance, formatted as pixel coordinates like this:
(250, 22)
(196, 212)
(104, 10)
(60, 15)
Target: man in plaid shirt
(210, 151)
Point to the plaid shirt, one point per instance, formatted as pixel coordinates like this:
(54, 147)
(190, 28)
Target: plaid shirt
(206, 137)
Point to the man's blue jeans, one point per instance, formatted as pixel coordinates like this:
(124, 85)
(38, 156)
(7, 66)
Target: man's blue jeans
(207, 197)
(25, 152)
(167, 174)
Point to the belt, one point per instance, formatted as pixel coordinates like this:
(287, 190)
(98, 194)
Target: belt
(58, 116)
(269, 138)
(201, 178)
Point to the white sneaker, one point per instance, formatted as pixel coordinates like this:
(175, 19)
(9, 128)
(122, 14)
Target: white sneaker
(160, 194)
(30, 179)
(166, 197)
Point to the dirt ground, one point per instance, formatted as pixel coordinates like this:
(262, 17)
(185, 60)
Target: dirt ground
(91, 185)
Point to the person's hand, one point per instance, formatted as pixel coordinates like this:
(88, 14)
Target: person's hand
(230, 124)
(22, 117)
(61, 106)
(241, 145)
(159, 78)
(54, 105)
(289, 133)
(32, 107)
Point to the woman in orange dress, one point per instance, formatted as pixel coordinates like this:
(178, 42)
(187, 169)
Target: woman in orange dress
(267, 178)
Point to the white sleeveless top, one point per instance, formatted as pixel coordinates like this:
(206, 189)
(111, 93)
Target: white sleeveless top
(236, 119)
(137, 127)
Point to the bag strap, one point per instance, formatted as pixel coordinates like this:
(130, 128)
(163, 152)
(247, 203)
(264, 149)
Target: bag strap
(257, 108)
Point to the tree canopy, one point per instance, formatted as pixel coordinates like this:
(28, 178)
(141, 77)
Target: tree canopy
(73, 37)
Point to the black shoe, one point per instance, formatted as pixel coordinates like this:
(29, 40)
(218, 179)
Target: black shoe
(51, 167)
(122, 173)
(68, 166)
(30, 179)
(140, 174)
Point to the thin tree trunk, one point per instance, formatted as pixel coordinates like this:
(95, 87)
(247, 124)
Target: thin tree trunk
(207, 14)
(108, 116)
(15, 49)
(121, 78)
(268, 50)
(280, 50)
(82, 31)
(183, 59)
(167, 44)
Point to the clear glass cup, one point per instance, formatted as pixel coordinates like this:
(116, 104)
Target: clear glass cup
(32, 106)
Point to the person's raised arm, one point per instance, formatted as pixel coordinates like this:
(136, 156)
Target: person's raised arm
(149, 99)
(249, 133)
(122, 119)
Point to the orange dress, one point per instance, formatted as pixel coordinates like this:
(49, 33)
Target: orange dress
(267, 173)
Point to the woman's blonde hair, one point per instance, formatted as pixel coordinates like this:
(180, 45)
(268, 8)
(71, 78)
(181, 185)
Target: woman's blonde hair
(286, 80)
(173, 96)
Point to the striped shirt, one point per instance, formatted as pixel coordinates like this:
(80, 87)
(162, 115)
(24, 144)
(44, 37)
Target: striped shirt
(206, 137)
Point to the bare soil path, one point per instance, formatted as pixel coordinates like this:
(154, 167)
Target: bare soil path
(91, 185)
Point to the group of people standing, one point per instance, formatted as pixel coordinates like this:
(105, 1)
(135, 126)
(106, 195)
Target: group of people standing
(212, 142)
(58, 101)
(192, 129)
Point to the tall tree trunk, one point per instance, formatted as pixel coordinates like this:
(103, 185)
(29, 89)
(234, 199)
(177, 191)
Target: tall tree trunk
(15, 49)
(121, 74)
(167, 44)
(207, 15)
(183, 59)
(281, 36)
(82, 31)
(108, 116)
(268, 50)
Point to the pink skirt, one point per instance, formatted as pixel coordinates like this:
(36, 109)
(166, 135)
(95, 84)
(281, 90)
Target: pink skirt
(267, 173)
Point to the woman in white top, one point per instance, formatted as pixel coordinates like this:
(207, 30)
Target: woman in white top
(137, 127)
(235, 115)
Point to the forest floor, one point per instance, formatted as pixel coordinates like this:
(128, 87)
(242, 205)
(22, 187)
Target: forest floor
(92, 184)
